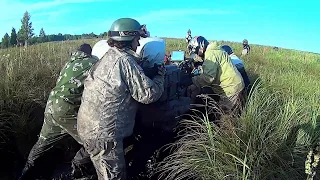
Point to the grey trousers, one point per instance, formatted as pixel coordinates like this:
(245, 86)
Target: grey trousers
(107, 157)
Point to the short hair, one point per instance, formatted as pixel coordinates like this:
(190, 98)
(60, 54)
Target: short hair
(119, 44)
(86, 48)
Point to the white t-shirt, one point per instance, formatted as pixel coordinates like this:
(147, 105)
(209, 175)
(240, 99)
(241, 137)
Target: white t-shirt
(236, 60)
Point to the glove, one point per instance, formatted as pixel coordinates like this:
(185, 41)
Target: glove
(161, 70)
(193, 91)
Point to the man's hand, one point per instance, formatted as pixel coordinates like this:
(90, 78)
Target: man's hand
(161, 70)
(193, 91)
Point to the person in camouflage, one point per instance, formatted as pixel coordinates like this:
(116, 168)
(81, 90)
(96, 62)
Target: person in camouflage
(112, 92)
(60, 121)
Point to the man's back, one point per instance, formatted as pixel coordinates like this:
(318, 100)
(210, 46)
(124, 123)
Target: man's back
(227, 77)
(188, 38)
(112, 89)
(66, 95)
(246, 49)
(236, 61)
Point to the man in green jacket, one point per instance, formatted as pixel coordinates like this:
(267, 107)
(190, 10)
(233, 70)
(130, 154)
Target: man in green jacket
(60, 116)
(217, 72)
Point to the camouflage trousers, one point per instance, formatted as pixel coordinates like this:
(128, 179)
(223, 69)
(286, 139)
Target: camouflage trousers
(56, 126)
(56, 130)
(108, 158)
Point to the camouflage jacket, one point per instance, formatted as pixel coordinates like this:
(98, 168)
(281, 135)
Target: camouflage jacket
(110, 98)
(65, 97)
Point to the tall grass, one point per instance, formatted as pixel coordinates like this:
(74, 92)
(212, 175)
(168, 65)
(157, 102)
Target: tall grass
(270, 140)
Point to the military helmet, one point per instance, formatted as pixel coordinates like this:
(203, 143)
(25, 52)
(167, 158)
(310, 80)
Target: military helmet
(126, 29)
(227, 49)
(198, 43)
(245, 41)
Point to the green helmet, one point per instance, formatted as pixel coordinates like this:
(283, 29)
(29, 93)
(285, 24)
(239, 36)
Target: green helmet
(126, 29)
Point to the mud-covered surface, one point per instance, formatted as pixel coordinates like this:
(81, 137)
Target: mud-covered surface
(146, 149)
(141, 159)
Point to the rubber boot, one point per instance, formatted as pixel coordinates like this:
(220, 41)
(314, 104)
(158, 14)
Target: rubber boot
(83, 171)
(26, 172)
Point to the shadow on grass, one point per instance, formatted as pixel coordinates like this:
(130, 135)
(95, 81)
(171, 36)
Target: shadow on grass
(289, 151)
(23, 121)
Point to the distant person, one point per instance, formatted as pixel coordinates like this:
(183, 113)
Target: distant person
(60, 116)
(188, 36)
(238, 63)
(167, 59)
(188, 39)
(246, 47)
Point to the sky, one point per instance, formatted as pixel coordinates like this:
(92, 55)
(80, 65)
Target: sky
(288, 24)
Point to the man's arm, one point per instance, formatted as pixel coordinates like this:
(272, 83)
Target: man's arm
(142, 88)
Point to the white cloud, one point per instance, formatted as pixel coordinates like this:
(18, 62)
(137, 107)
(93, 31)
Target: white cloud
(19, 5)
(177, 14)
(51, 4)
(41, 12)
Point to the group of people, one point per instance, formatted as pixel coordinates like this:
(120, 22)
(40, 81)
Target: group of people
(95, 99)
(245, 44)
(222, 71)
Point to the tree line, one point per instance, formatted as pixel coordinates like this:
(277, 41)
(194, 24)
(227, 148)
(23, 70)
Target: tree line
(26, 36)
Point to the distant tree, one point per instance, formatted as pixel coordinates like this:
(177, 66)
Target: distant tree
(42, 36)
(13, 37)
(42, 33)
(5, 41)
(26, 30)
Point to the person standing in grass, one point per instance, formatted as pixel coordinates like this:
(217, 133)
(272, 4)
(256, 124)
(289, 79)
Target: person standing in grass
(217, 72)
(246, 47)
(188, 39)
(112, 92)
(238, 63)
(188, 36)
(60, 116)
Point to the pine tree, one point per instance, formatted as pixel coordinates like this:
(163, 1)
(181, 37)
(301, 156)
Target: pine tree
(42, 35)
(5, 41)
(13, 37)
(26, 30)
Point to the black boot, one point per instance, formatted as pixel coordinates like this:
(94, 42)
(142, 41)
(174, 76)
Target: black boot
(26, 172)
(83, 171)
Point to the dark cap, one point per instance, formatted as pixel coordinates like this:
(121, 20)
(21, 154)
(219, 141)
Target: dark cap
(86, 48)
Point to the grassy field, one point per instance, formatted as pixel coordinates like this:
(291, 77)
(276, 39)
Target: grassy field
(270, 140)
